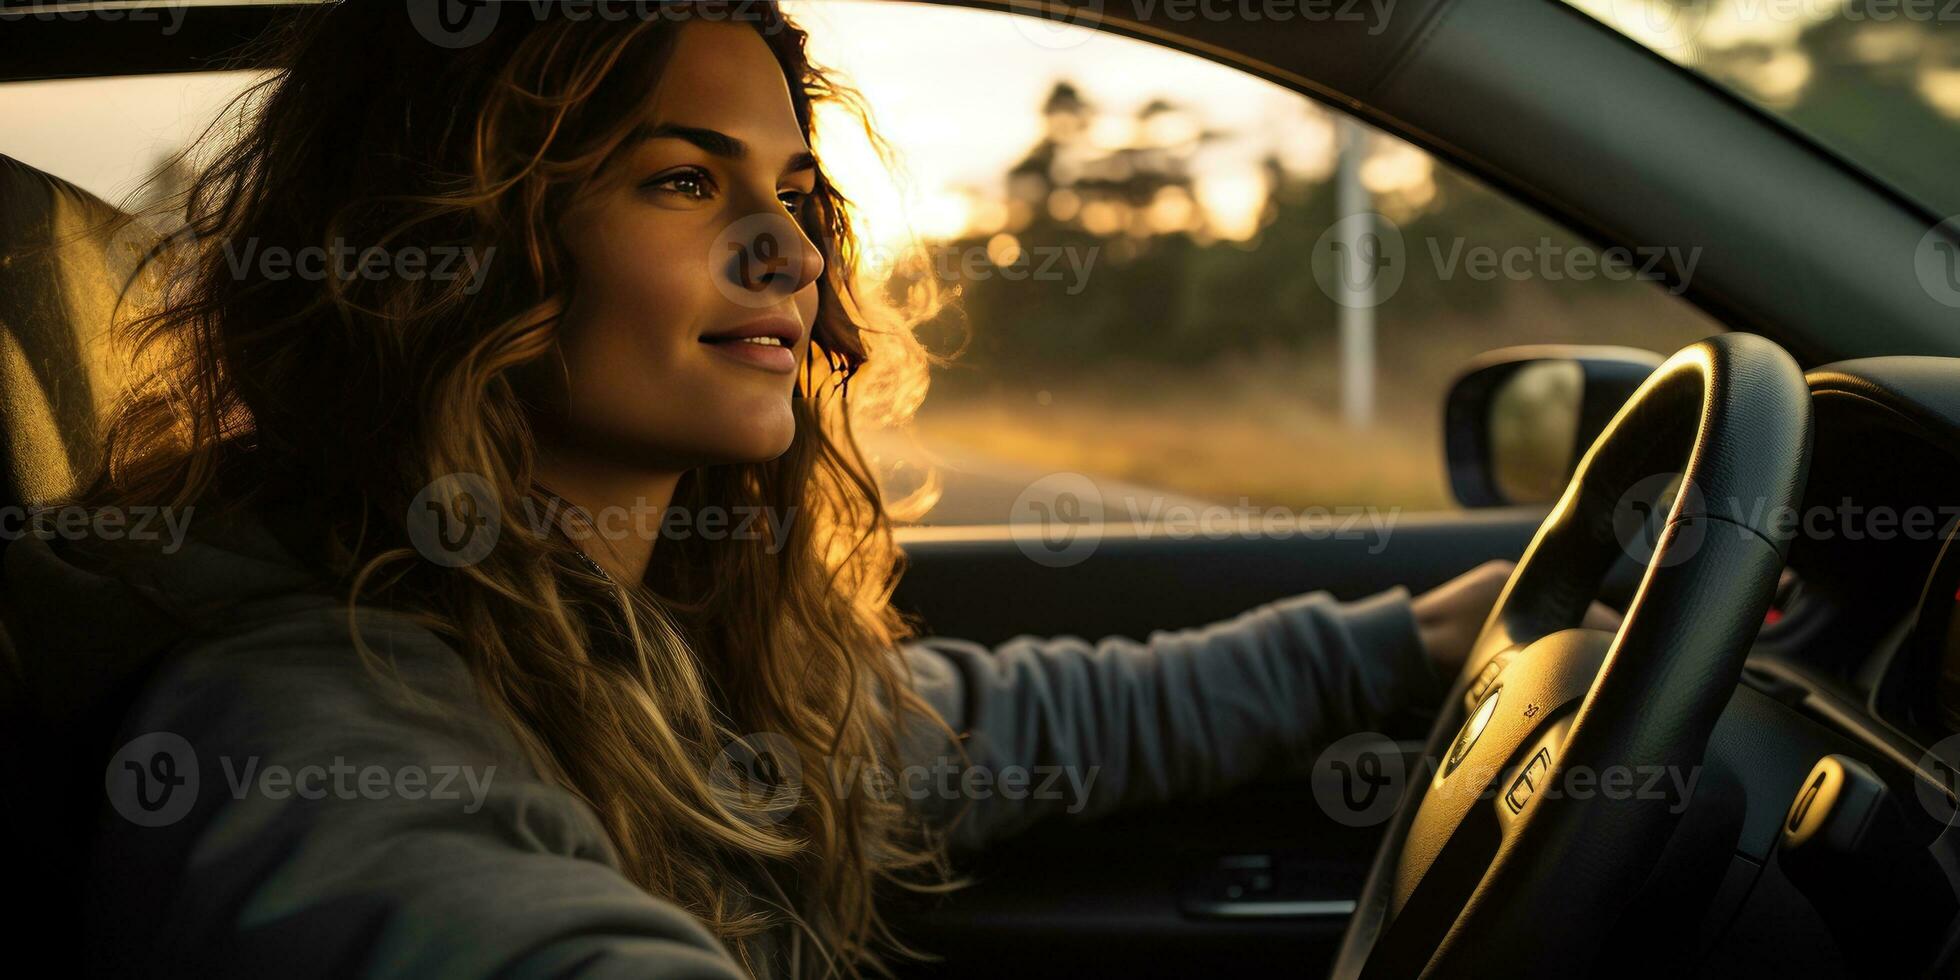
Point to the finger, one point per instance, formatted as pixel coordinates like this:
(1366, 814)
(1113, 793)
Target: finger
(1602, 617)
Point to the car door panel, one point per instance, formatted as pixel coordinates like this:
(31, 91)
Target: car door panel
(1141, 893)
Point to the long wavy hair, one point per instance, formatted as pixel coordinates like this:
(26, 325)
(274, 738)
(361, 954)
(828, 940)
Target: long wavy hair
(360, 393)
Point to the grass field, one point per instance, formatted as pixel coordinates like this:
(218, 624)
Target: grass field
(1259, 426)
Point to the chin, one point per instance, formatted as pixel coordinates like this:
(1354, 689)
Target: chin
(760, 451)
(759, 437)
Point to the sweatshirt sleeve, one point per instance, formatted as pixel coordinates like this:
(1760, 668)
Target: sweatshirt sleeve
(324, 830)
(1065, 726)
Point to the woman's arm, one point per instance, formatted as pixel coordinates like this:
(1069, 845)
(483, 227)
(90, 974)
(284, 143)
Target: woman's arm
(334, 833)
(1063, 725)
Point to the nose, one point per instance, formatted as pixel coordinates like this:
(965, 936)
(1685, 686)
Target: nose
(773, 257)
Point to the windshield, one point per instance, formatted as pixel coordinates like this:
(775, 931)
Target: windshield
(1877, 81)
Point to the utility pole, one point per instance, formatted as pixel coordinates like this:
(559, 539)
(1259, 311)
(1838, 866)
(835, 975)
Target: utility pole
(1357, 281)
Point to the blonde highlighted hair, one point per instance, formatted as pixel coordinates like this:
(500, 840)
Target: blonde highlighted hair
(360, 393)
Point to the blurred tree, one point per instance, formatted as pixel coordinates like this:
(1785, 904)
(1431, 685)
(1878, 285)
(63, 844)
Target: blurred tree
(1163, 289)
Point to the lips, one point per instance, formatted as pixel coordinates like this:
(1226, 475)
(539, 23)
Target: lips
(768, 343)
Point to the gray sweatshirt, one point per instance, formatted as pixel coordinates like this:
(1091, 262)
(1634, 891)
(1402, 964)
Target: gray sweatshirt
(274, 812)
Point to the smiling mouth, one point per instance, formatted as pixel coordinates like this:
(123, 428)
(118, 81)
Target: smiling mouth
(767, 353)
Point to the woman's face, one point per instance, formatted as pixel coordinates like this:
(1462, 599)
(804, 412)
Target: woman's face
(695, 288)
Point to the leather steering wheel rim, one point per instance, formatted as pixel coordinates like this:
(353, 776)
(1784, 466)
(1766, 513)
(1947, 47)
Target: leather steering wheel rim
(1482, 870)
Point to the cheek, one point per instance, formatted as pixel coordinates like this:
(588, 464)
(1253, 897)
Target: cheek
(639, 286)
(640, 292)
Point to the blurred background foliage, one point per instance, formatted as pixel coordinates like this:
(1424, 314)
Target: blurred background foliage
(1198, 357)
(1202, 359)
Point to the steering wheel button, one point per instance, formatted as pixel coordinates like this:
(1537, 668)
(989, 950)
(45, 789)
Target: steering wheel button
(1486, 677)
(1528, 781)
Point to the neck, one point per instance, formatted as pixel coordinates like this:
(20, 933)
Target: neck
(625, 507)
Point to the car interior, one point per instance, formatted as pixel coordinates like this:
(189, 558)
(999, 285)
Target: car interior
(1818, 840)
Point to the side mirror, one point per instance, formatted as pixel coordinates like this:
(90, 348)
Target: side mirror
(1517, 419)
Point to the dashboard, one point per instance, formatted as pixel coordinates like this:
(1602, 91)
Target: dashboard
(1924, 670)
(1877, 619)
(1859, 659)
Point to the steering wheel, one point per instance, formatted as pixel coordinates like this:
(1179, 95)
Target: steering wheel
(1512, 852)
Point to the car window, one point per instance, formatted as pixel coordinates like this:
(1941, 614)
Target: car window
(110, 135)
(1163, 304)
(1175, 289)
(1877, 81)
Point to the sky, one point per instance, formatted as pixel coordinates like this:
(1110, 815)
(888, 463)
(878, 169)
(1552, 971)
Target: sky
(985, 75)
(955, 91)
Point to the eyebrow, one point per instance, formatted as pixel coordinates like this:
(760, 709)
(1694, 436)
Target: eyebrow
(714, 142)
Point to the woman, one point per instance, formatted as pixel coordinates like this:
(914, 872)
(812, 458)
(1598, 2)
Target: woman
(585, 746)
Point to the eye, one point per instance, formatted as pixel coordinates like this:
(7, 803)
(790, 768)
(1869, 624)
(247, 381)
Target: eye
(693, 183)
(794, 201)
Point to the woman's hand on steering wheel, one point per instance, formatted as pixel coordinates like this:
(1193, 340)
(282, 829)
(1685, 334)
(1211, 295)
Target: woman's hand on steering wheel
(1449, 616)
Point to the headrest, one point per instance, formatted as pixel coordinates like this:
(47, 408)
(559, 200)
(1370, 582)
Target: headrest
(65, 258)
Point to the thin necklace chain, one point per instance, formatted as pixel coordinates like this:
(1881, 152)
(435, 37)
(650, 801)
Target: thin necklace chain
(589, 563)
(572, 510)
